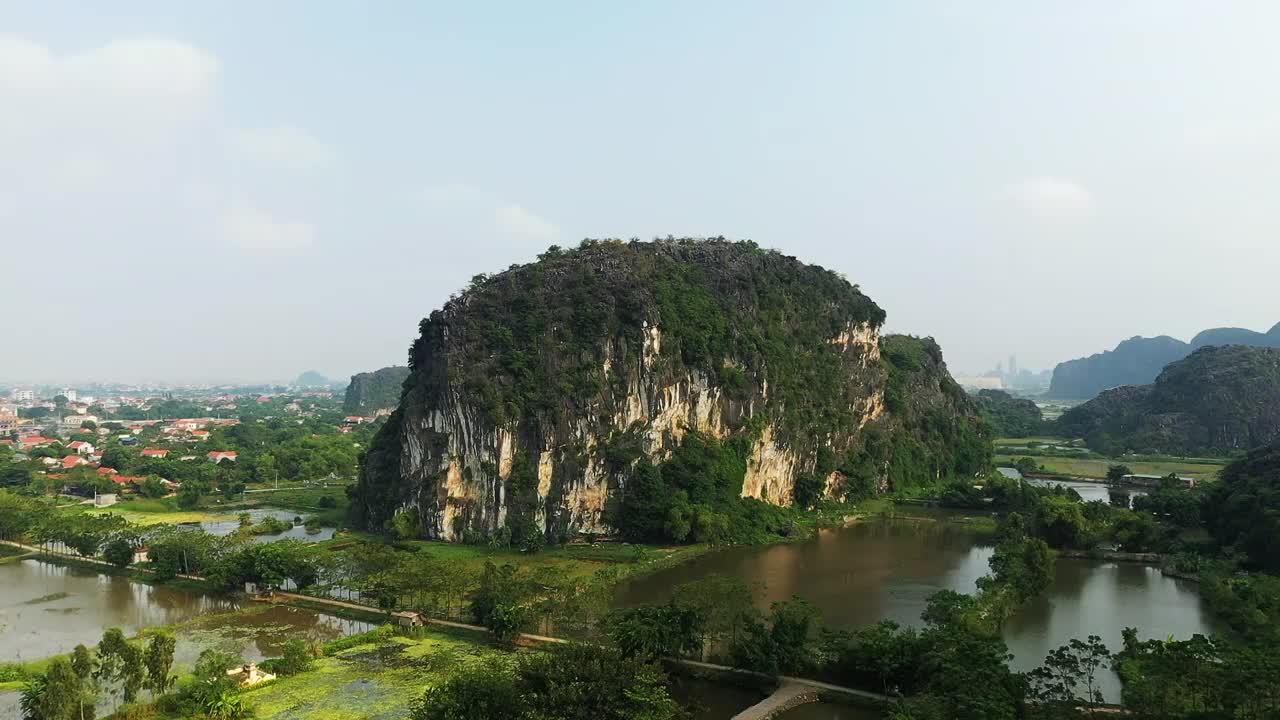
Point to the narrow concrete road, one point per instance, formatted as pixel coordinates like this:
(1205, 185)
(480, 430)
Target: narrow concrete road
(787, 696)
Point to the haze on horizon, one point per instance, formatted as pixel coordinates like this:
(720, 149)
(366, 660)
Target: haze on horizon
(243, 191)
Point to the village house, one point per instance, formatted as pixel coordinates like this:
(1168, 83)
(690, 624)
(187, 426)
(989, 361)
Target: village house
(1156, 480)
(8, 421)
(81, 447)
(218, 456)
(71, 461)
(34, 441)
(74, 422)
(152, 452)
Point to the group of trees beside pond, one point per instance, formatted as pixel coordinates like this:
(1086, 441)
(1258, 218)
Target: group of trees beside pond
(69, 689)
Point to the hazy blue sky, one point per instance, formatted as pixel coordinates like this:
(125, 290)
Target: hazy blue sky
(244, 190)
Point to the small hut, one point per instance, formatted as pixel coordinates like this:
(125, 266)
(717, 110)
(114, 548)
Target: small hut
(409, 618)
(248, 675)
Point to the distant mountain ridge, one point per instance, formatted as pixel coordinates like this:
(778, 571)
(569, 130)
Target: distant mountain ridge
(1221, 398)
(1138, 360)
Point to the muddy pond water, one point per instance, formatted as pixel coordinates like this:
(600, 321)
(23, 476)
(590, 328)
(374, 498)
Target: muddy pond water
(887, 569)
(257, 515)
(46, 609)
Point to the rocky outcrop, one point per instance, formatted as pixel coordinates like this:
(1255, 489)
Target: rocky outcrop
(370, 392)
(534, 393)
(1219, 399)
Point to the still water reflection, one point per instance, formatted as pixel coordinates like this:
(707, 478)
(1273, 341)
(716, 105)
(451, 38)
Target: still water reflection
(257, 515)
(47, 609)
(887, 569)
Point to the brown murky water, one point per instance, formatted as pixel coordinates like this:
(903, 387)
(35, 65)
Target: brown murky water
(256, 515)
(887, 569)
(47, 609)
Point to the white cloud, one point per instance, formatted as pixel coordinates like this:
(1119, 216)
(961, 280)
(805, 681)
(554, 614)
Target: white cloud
(515, 220)
(128, 68)
(1051, 198)
(284, 147)
(254, 229)
(451, 198)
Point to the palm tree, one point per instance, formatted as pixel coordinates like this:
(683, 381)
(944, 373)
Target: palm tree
(32, 698)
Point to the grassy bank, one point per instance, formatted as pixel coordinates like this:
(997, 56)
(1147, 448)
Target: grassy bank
(151, 511)
(1097, 469)
(373, 678)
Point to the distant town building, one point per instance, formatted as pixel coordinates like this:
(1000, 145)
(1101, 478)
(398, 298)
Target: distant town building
(34, 441)
(982, 382)
(24, 395)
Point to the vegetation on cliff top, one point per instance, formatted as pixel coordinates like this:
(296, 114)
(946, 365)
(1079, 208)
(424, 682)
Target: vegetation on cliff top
(377, 390)
(530, 342)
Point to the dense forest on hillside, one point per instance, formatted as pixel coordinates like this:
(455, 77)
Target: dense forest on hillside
(1242, 509)
(1217, 400)
(1009, 416)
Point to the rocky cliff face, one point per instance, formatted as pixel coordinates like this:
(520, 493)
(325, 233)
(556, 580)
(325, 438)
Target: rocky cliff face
(1216, 400)
(373, 391)
(534, 394)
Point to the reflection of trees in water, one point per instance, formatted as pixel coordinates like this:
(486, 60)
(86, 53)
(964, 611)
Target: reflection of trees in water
(855, 575)
(274, 627)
